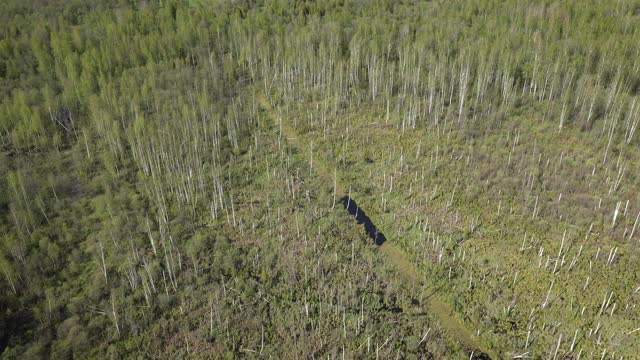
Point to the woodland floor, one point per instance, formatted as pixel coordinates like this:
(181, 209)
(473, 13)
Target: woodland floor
(430, 299)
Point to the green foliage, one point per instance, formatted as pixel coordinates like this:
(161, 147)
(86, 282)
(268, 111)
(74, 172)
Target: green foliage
(167, 177)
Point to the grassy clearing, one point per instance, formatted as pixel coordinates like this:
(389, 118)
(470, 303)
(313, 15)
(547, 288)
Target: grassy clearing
(406, 270)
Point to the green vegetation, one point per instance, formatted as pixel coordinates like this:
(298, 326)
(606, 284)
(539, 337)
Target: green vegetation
(169, 173)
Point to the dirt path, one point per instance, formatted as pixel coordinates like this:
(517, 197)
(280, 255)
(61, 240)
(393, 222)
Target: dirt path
(448, 321)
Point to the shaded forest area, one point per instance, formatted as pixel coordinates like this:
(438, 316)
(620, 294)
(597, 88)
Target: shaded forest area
(152, 204)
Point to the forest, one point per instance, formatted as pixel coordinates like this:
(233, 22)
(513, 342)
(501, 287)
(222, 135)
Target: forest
(340, 179)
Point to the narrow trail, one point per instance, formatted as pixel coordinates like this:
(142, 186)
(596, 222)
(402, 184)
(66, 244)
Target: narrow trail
(448, 320)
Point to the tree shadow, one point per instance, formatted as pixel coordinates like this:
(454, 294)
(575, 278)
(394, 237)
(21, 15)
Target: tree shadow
(479, 356)
(361, 217)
